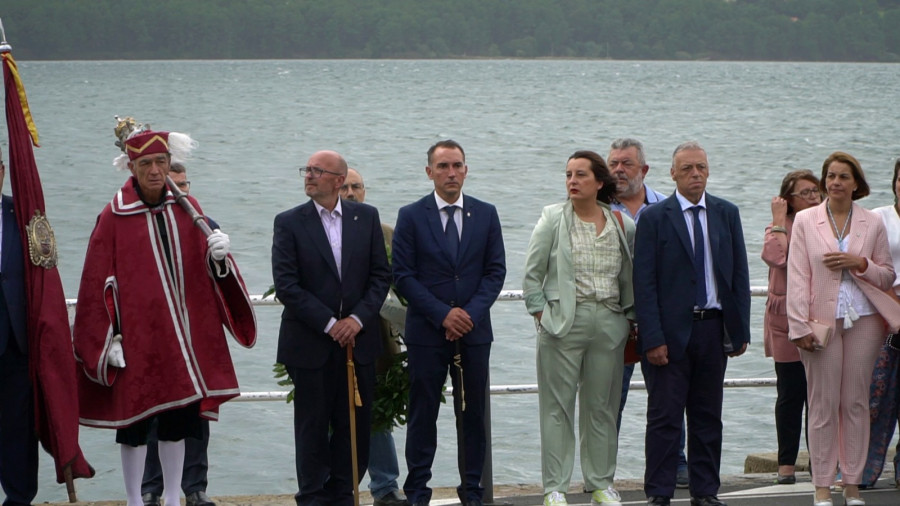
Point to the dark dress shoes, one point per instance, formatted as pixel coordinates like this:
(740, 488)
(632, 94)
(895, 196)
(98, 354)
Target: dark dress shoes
(707, 500)
(658, 500)
(786, 479)
(150, 499)
(198, 498)
(392, 498)
(474, 502)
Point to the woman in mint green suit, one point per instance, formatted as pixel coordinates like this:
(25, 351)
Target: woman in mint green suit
(578, 287)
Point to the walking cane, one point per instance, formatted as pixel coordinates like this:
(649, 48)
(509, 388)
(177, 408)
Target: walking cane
(460, 432)
(354, 400)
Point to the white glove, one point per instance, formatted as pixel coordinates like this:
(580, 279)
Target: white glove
(116, 357)
(219, 244)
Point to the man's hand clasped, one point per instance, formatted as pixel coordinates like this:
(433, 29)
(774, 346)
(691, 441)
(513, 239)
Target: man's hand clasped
(344, 331)
(116, 356)
(219, 245)
(457, 323)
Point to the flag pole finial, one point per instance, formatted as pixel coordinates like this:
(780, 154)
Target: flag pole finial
(4, 46)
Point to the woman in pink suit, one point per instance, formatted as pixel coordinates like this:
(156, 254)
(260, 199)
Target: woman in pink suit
(839, 267)
(799, 191)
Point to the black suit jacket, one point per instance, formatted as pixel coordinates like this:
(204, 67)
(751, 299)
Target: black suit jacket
(664, 280)
(12, 276)
(307, 282)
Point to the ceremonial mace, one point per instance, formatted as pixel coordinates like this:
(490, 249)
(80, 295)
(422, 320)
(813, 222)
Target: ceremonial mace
(181, 198)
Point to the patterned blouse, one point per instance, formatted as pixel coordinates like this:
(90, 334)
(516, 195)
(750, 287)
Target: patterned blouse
(597, 261)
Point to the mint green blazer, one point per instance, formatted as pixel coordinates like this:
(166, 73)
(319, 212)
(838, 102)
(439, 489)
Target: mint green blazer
(549, 283)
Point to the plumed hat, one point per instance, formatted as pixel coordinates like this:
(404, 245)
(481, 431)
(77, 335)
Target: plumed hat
(136, 140)
(146, 143)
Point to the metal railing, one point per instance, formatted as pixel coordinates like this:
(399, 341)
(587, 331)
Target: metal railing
(505, 296)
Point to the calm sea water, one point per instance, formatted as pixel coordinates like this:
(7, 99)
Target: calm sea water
(257, 121)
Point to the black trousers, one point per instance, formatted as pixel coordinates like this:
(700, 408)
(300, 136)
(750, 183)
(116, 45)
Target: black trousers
(196, 463)
(18, 442)
(322, 430)
(791, 386)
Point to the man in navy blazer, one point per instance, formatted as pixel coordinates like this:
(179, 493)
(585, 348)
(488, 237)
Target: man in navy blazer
(332, 275)
(18, 442)
(693, 310)
(450, 265)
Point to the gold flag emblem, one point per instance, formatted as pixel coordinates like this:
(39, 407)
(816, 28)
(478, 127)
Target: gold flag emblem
(41, 242)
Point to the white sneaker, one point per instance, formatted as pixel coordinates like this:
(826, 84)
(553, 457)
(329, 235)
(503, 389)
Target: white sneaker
(608, 497)
(555, 499)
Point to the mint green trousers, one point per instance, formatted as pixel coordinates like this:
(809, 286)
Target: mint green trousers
(588, 361)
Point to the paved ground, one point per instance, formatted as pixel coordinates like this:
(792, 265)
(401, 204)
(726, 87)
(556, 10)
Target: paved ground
(742, 490)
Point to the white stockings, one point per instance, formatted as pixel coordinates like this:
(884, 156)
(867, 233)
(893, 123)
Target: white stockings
(171, 459)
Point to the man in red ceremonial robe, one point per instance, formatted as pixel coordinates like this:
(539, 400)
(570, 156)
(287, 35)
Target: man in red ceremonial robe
(154, 296)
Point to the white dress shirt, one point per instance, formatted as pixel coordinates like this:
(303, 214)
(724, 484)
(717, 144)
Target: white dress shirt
(712, 295)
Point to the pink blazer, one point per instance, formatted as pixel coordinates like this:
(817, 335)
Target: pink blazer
(813, 289)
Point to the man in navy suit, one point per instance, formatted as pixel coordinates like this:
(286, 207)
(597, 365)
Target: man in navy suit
(18, 442)
(449, 264)
(332, 275)
(692, 297)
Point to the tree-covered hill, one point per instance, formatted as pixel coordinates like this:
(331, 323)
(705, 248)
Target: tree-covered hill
(833, 30)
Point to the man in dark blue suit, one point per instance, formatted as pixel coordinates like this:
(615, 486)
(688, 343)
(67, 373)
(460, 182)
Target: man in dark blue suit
(449, 264)
(18, 442)
(332, 275)
(692, 297)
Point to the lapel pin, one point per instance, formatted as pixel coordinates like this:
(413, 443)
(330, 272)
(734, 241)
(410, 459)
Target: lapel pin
(355, 217)
(468, 215)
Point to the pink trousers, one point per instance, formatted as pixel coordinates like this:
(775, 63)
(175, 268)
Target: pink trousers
(838, 379)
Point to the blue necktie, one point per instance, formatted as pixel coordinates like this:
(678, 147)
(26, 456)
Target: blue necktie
(699, 258)
(451, 231)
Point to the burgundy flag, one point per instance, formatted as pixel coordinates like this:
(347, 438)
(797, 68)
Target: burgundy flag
(51, 356)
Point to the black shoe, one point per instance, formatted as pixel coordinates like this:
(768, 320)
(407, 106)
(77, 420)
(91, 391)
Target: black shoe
(682, 478)
(658, 500)
(474, 502)
(198, 498)
(150, 499)
(786, 479)
(392, 498)
(707, 500)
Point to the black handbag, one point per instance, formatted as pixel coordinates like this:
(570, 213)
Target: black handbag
(893, 341)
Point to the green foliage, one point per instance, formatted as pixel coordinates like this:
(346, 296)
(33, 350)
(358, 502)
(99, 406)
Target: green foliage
(284, 380)
(391, 395)
(861, 30)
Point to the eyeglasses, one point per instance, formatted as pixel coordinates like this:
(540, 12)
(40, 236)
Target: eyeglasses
(316, 172)
(355, 186)
(808, 193)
